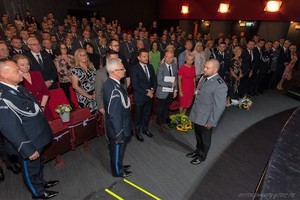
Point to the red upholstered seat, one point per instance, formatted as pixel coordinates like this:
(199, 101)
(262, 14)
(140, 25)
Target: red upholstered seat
(61, 142)
(56, 97)
(73, 97)
(83, 126)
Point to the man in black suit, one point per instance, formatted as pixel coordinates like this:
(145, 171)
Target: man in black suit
(25, 129)
(117, 117)
(247, 67)
(48, 48)
(144, 84)
(16, 46)
(224, 58)
(42, 62)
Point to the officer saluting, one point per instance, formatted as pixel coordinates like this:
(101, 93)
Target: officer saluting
(25, 129)
(208, 107)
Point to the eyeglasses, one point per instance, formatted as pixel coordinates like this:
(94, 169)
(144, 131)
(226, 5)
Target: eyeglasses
(121, 69)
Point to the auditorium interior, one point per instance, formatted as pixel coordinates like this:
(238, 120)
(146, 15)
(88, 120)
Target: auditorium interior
(255, 153)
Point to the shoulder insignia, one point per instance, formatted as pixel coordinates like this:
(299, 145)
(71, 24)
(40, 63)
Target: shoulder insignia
(220, 80)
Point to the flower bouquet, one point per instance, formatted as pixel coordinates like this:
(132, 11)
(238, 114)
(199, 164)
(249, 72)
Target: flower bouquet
(181, 122)
(244, 103)
(64, 112)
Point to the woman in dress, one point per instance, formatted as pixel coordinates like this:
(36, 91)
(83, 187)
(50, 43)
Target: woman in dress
(93, 57)
(154, 56)
(287, 74)
(186, 83)
(83, 80)
(208, 49)
(32, 80)
(64, 62)
(19, 22)
(199, 59)
(235, 74)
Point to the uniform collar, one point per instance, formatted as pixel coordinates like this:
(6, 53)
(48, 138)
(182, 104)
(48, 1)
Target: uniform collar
(9, 85)
(212, 76)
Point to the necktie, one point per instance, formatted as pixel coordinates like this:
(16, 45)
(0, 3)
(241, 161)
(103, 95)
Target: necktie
(146, 72)
(170, 72)
(40, 61)
(251, 55)
(205, 79)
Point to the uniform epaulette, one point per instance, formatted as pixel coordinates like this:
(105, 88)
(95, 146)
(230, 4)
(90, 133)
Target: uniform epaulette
(220, 80)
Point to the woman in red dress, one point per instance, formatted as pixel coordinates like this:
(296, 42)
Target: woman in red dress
(32, 81)
(186, 83)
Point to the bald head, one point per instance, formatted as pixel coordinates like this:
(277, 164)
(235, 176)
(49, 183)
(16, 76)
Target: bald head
(10, 72)
(211, 67)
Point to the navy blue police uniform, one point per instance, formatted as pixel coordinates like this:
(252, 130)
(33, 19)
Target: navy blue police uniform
(117, 122)
(26, 130)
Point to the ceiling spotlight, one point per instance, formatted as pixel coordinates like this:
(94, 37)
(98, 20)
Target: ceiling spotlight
(273, 6)
(223, 8)
(184, 9)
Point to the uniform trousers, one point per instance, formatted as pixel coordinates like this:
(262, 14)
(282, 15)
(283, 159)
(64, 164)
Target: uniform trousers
(116, 152)
(203, 137)
(142, 115)
(32, 171)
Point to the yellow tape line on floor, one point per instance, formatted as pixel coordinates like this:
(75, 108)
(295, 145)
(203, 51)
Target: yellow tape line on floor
(113, 194)
(141, 189)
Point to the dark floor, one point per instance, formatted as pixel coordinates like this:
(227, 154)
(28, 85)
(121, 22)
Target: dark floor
(241, 146)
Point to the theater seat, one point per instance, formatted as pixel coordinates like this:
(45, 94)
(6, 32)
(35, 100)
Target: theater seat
(56, 97)
(83, 126)
(73, 97)
(60, 144)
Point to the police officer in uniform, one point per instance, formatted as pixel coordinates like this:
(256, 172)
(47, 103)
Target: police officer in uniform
(209, 104)
(117, 117)
(25, 129)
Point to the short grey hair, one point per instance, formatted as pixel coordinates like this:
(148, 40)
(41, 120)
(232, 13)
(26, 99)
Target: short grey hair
(112, 64)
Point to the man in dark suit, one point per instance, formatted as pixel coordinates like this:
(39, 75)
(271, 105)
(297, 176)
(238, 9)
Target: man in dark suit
(166, 90)
(42, 62)
(247, 67)
(16, 46)
(209, 104)
(224, 58)
(144, 84)
(117, 117)
(25, 129)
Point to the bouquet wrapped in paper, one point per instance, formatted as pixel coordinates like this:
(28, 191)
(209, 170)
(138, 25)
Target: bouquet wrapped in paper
(244, 103)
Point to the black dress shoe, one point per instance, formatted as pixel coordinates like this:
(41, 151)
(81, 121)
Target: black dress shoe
(192, 154)
(47, 195)
(140, 138)
(2, 177)
(196, 161)
(148, 134)
(51, 183)
(126, 167)
(124, 174)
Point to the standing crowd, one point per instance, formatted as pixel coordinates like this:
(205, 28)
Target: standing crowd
(111, 69)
